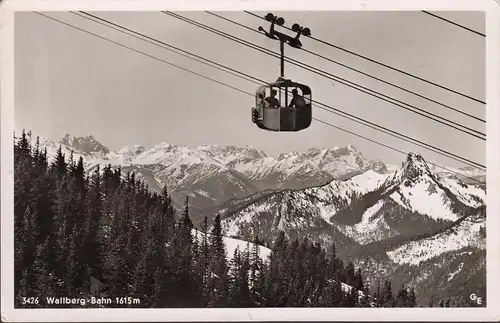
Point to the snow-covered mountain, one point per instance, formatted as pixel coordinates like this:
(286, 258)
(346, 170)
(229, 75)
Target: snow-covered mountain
(389, 220)
(360, 206)
(302, 169)
(84, 144)
(400, 219)
(212, 175)
(468, 174)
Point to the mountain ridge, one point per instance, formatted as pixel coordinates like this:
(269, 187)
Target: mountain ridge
(244, 170)
(125, 154)
(404, 218)
(397, 216)
(341, 201)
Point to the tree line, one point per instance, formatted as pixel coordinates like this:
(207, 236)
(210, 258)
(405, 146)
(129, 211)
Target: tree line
(71, 226)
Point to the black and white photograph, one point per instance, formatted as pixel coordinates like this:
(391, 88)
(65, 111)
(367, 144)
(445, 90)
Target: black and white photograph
(249, 159)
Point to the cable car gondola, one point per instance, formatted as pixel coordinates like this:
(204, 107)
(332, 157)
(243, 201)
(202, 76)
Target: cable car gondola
(291, 110)
(286, 115)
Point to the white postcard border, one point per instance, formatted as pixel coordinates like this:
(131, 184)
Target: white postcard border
(491, 312)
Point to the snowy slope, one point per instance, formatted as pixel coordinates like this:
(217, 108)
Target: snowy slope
(420, 190)
(464, 235)
(372, 226)
(359, 207)
(212, 175)
(233, 244)
(368, 205)
(469, 175)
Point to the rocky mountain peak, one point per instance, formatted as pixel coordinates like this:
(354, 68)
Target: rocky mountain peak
(87, 144)
(415, 166)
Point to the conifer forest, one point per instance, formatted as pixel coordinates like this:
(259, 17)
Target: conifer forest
(72, 227)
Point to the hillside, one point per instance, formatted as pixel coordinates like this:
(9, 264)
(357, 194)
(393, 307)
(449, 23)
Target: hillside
(390, 221)
(405, 219)
(212, 175)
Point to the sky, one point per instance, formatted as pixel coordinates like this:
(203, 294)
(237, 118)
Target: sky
(67, 81)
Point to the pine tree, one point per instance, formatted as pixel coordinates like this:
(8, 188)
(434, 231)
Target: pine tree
(239, 293)
(358, 280)
(365, 299)
(257, 272)
(27, 252)
(276, 282)
(412, 299)
(431, 301)
(59, 165)
(205, 258)
(186, 220)
(350, 274)
(43, 277)
(167, 211)
(198, 271)
(402, 298)
(337, 294)
(386, 296)
(145, 274)
(93, 226)
(183, 264)
(218, 282)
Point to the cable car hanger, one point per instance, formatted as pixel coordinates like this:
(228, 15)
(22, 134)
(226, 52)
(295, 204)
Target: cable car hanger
(284, 38)
(271, 113)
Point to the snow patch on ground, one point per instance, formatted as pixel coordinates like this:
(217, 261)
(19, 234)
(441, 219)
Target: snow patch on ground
(415, 252)
(368, 229)
(417, 198)
(231, 226)
(456, 271)
(203, 193)
(471, 195)
(368, 181)
(233, 244)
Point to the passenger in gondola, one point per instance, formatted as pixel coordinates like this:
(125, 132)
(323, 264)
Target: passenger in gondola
(297, 100)
(272, 100)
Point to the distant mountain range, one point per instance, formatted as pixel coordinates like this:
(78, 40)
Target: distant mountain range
(212, 175)
(417, 223)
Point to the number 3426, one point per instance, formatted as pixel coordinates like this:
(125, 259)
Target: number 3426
(30, 300)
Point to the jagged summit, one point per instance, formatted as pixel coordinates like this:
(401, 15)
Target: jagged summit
(412, 169)
(415, 166)
(87, 144)
(414, 157)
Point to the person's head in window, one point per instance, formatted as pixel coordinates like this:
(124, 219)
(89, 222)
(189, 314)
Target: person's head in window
(272, 100)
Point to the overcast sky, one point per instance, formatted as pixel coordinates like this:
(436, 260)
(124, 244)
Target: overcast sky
(67, 81)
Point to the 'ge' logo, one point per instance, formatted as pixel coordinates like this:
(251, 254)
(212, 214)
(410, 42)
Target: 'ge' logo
(473, 297)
